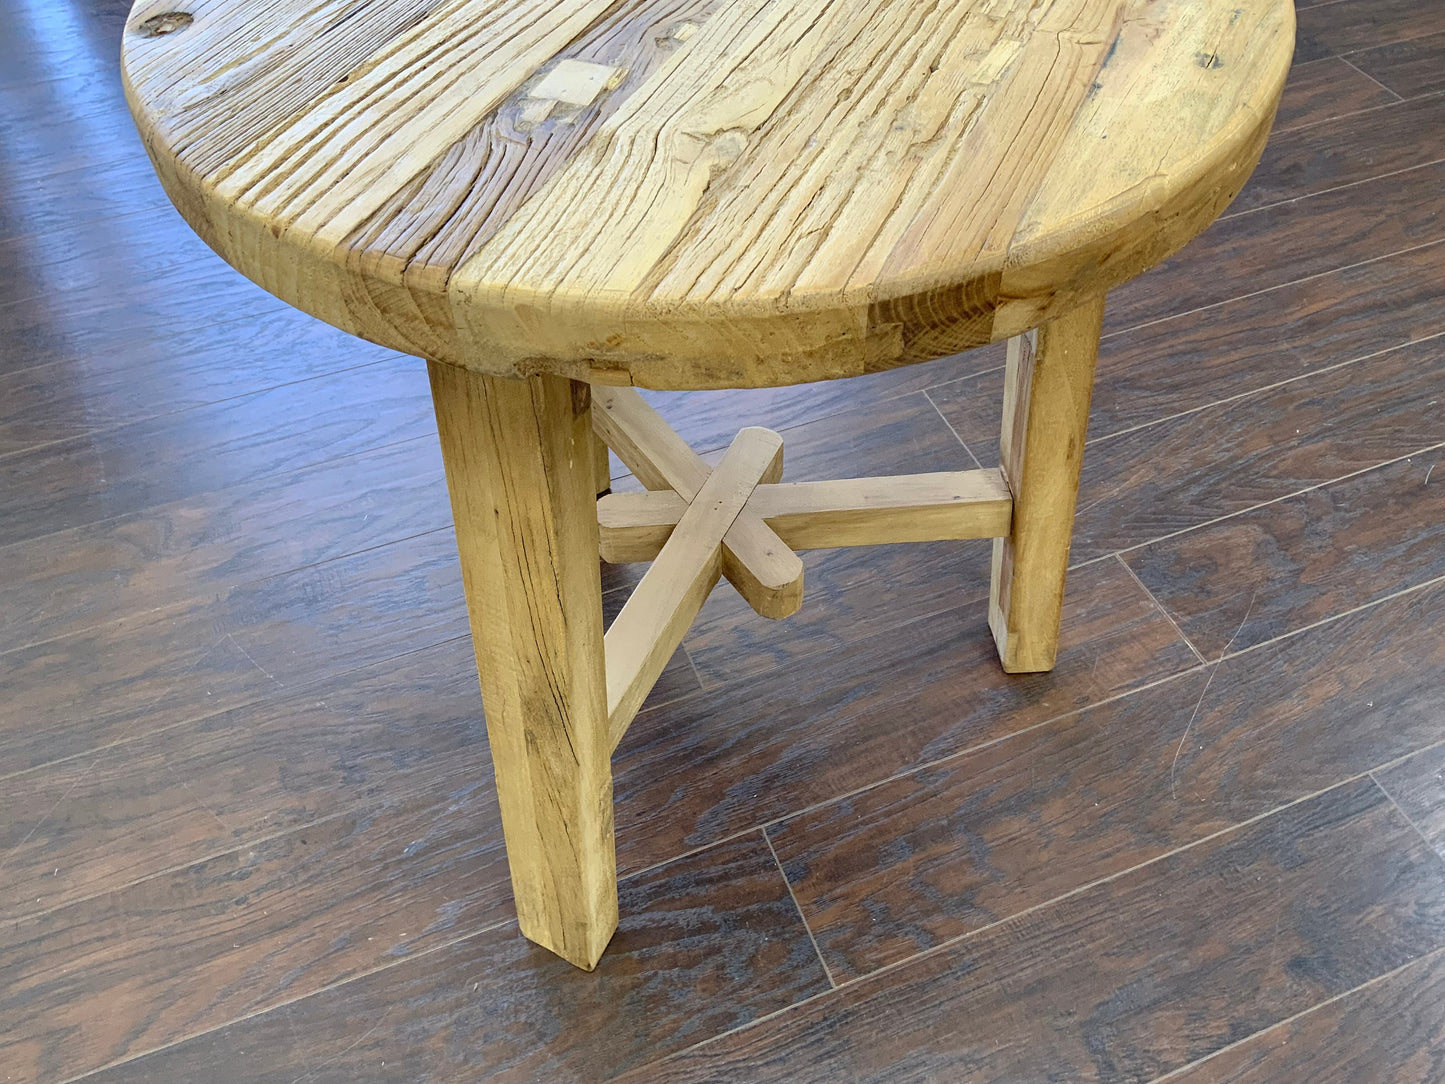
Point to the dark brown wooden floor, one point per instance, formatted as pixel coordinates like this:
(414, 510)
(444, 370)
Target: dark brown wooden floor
(247, 824)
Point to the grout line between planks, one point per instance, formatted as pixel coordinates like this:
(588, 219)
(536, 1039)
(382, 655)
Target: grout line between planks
(1344, 59)
(1160, 607)
(247, 481)
(913, 769)
(827, 971)
(250, 841)
(1274, 500)
(944, 946)
(164, 414)
(1239, 396)
(273, 695)
(293, 1000)
(908, 961)
(1400, 810)
(973, 749)
(1130, 328)
(1434, 162)
(939, 411)
(1174, 1073)
(132, 615)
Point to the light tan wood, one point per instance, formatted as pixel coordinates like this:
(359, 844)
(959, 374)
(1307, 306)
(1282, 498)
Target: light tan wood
(601, 465)
(657, 614)
(821, 515)
(701, 193)
(1048, 384)
(518, 459)
(763, 569)
(698, 194)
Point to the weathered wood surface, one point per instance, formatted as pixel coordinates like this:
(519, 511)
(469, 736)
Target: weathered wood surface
(250, 893)
(519, 469)
(701, 193)
(822, 515)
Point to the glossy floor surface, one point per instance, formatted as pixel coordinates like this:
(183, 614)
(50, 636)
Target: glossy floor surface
(247, 824)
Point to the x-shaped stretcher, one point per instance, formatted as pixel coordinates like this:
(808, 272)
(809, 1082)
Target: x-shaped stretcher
(739, 520)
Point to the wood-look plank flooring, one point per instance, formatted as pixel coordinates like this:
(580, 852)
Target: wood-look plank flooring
(248, 830)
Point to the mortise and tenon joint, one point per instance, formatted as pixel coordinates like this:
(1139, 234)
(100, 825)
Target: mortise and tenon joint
(739, 520)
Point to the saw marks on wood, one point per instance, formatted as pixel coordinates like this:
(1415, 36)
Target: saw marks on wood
(700, 193)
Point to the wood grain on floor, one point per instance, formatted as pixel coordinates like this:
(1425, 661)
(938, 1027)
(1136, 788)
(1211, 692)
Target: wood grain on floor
(248, 830)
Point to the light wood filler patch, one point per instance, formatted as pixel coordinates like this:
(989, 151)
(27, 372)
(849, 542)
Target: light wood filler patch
(701, 193)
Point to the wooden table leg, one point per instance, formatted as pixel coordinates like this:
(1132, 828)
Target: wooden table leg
(1047, 387)
(601, 466)
(520, 468)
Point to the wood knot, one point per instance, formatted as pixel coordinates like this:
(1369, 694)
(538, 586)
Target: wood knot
(168, 22)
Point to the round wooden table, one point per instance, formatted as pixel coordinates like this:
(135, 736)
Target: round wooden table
(550, 202)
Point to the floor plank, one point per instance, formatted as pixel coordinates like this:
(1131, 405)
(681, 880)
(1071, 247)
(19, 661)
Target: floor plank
(204, 547)
(204, 787)
(1133, 977)
(95, 323)
(1382, 140)
(1417, 784)
(193, 948)
(755, 750)
(118, 471)
(1326, 88)
(67, 124)
(204, 655)
(1332, 29)
(849, 594)
(1408, 68)
(946, 850)
(1393, 1029)
(1280, 567)
(492, 1006)
(1287, 242)
(153, 375)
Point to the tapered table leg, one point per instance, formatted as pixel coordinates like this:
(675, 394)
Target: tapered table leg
(520, 468)
(1048, 384)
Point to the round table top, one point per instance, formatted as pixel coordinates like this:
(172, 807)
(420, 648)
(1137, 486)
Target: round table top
(700, 193)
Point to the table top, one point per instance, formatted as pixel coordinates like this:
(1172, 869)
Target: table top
(700, 193)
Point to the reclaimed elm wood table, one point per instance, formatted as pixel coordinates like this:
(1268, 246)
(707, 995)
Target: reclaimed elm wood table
(553, 201)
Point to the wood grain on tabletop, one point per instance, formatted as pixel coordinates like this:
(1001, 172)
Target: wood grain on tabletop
(232, 867)
(469, 182)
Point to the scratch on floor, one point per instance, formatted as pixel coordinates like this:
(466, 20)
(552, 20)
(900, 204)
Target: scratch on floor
(195, 797)
(253, 662)
(1174, 764)
(311, 1072)
(144, 713)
